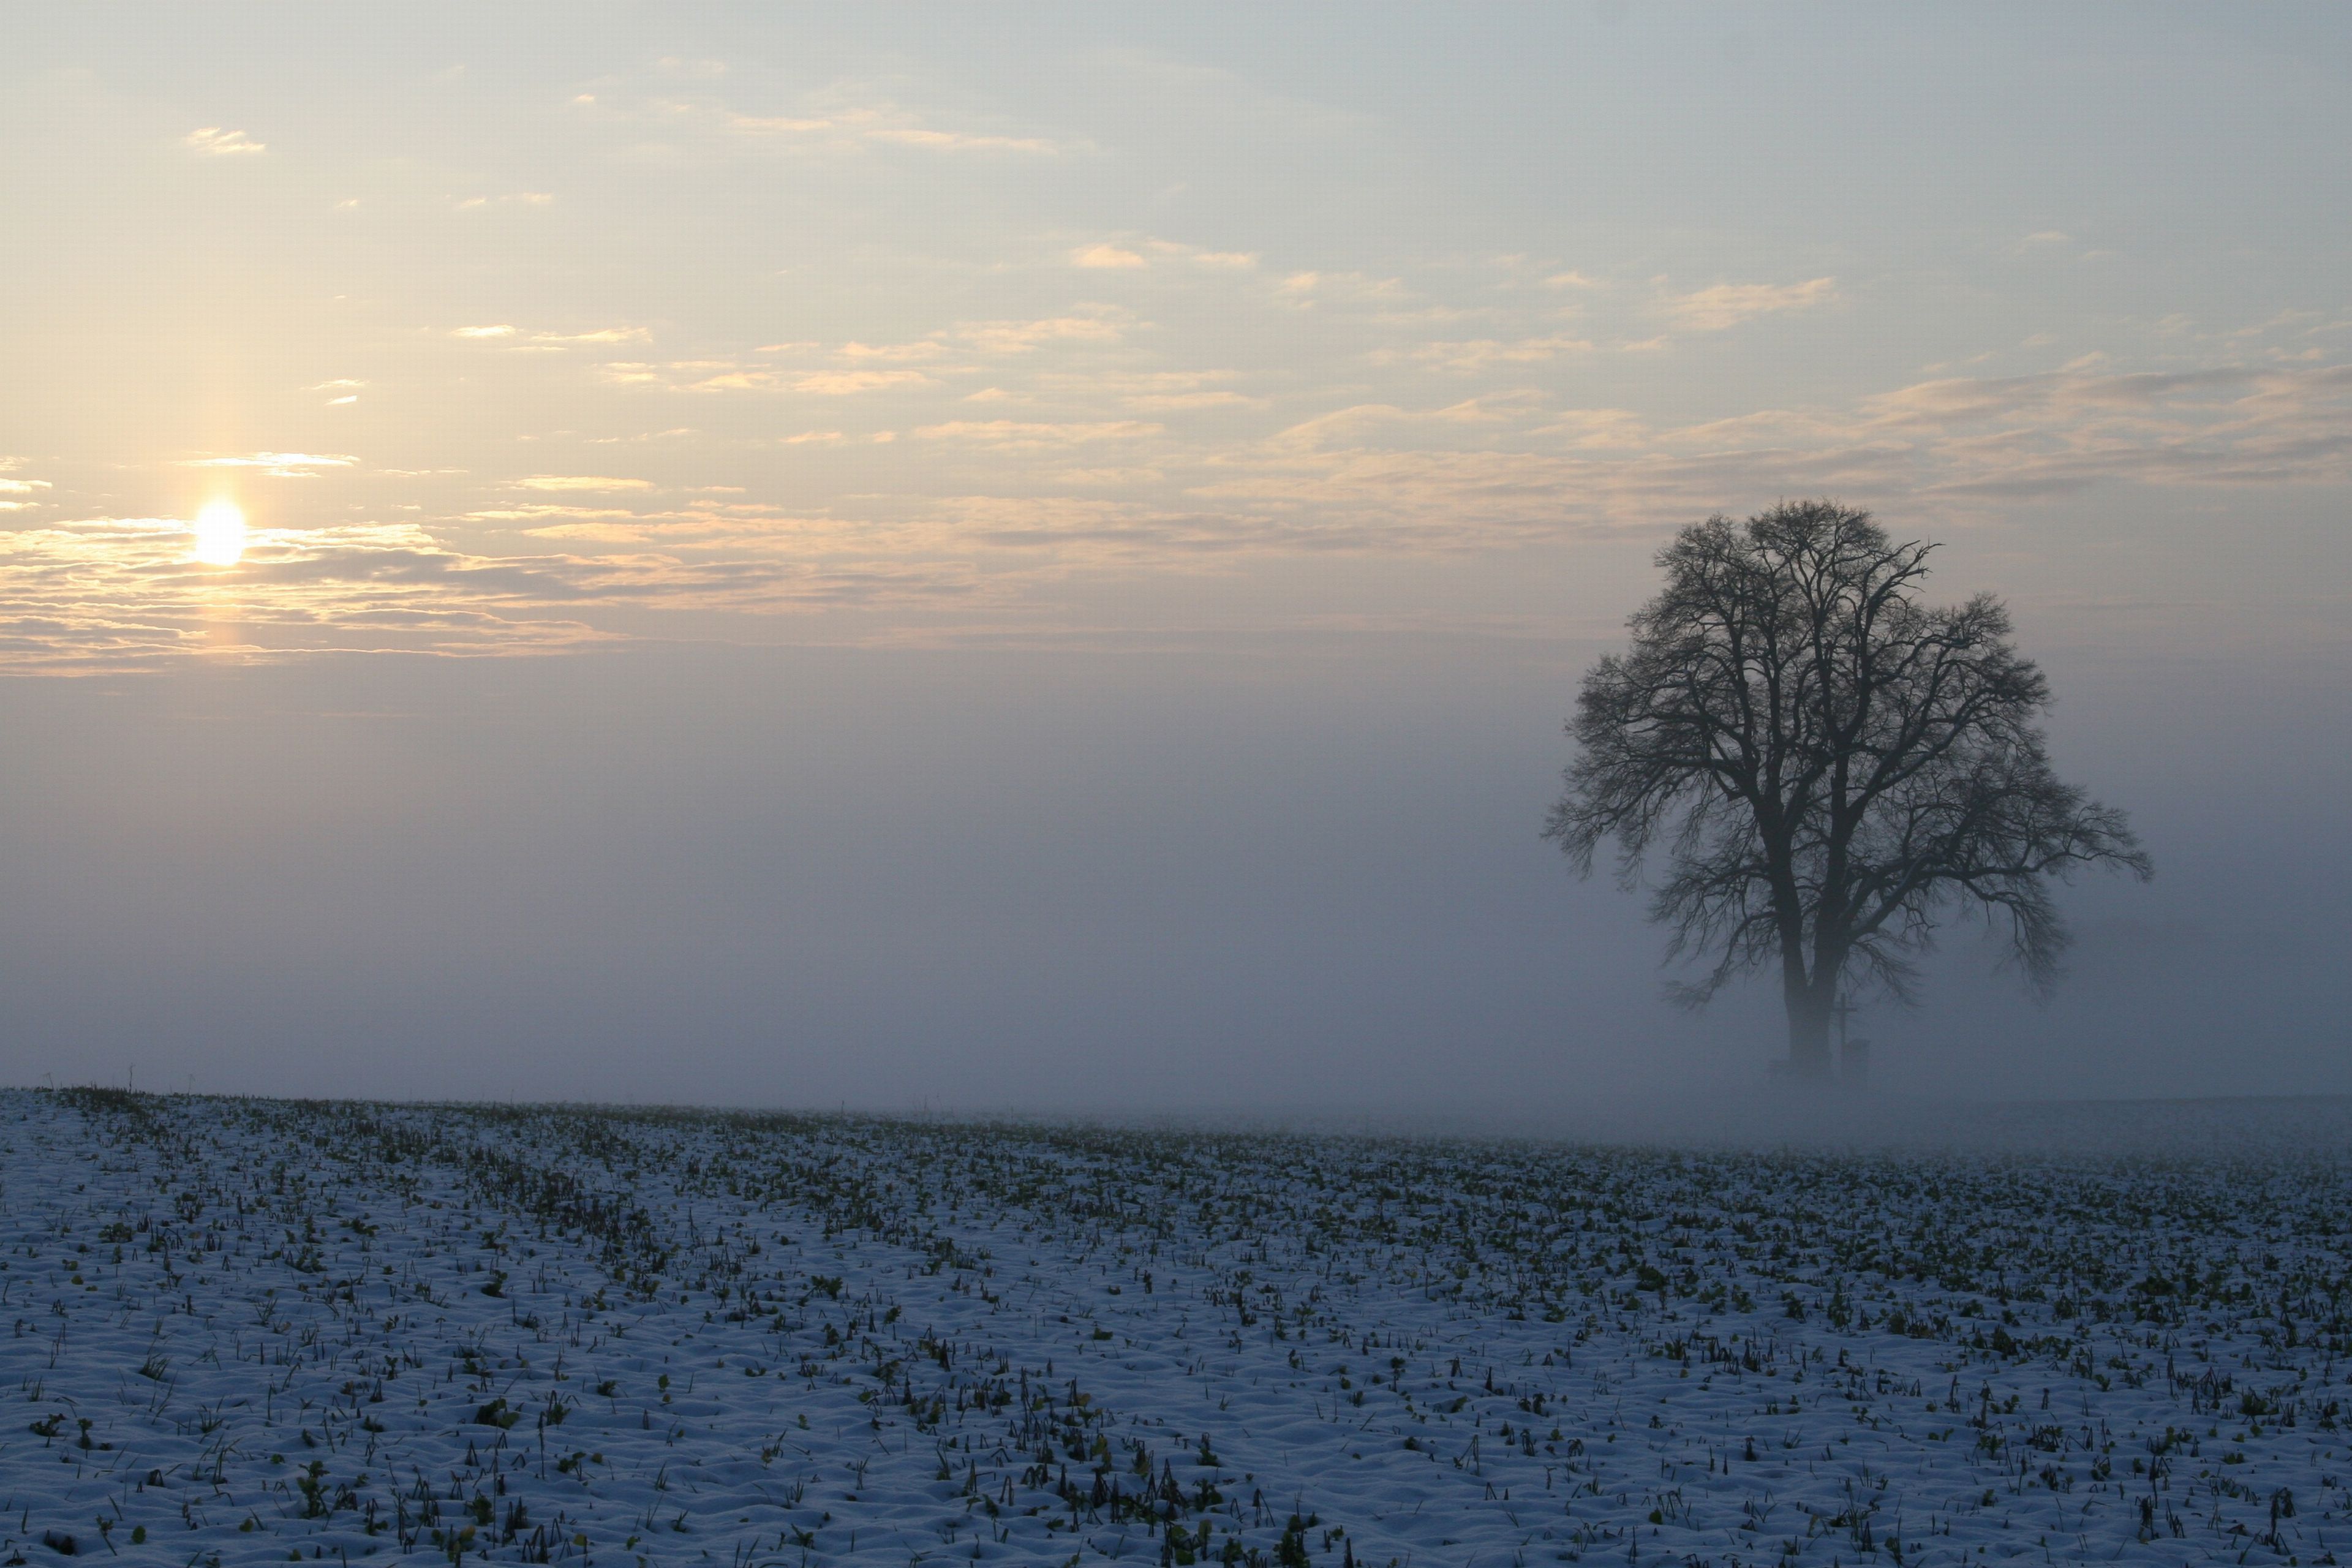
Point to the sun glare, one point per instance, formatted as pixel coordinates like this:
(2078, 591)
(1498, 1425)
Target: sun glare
(220, 534)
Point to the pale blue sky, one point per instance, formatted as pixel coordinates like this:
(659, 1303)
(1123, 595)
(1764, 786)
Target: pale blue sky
(1311, 360)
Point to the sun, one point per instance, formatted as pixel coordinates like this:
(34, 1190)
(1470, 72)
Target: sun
(220, 534)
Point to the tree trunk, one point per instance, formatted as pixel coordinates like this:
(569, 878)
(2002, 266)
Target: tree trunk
(1809, 1010)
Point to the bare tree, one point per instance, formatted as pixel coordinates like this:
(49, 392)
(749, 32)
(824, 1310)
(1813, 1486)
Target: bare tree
(1828, 766)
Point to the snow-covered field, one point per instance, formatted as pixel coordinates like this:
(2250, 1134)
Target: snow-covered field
(265, 1332)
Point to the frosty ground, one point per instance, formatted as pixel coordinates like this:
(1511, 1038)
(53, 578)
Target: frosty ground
(251, 1331)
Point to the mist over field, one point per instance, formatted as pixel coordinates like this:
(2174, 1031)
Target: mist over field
(1255, 883)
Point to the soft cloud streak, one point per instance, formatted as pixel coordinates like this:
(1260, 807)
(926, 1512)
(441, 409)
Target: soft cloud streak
(278, 465)
(581, 482)
(1011, 435)
(853, 129)
(212, 142)
(1726, 305)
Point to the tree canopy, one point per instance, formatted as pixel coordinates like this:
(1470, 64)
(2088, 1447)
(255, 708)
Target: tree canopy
(1826, 766)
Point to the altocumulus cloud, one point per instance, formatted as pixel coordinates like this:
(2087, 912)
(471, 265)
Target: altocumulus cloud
(212, 142)
(125, 593)
(279, 465)
(581, 482)
(1017, 434)
(853, 129)
(1729, 304)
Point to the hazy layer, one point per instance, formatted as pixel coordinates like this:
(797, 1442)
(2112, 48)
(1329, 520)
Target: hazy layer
(1259, 882)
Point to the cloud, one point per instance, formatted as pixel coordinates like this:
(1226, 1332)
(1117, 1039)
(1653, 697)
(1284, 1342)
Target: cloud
(212, 142)
(1105, 255)
(1011, 435)
(579, 482)
(1217, 260)
(600, 335)
(887, 126)
(2048, 397)
(1146, 390)
(1019, 337)
(540, 511)
(757, 125)
(1306, 290)
(736, 380)
(1154, 402)
(960, 141)
(728, 375)
(844, 383)
(1485, 354)
(1729, 304)
(1468, 476)
(869, 367)
(1382, 462)
(1103, 478)
(2038, 434)
(279, 465)
(1349, 425)
(114, 594)
(1616, 429)
(923, 350)
(689, 375)
(122, 593)
(500, 330)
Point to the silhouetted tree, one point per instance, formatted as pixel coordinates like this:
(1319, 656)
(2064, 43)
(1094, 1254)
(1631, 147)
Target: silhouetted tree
(1827, 766)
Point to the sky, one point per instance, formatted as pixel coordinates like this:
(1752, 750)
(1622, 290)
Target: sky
(1034, 559)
